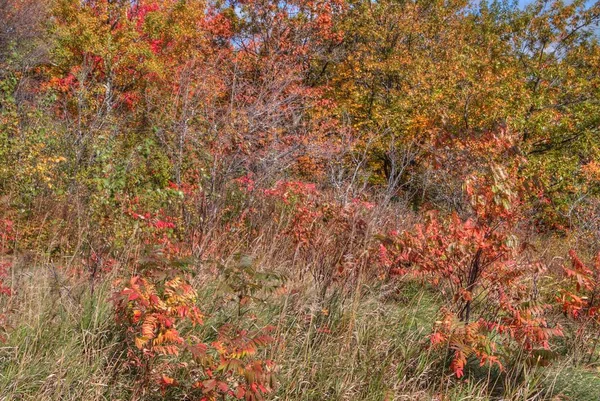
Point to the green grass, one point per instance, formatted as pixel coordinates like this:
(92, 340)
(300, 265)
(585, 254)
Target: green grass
(354, 347)
(573, 382)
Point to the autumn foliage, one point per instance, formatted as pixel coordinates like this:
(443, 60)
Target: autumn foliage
(212, 162)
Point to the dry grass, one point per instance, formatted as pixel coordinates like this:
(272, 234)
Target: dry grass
(358, 346)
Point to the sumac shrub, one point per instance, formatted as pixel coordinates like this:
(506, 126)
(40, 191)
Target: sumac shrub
(477, 261)
(169, 349)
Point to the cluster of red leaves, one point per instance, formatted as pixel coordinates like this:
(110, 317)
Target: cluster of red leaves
(7, 234)
(311, 211)
(158, 230)
(443, 248)
(579, 296)
(4, 289)
(315, 223)
(302, 198)
(139, 11)
(464, 340)
(97, 263)
(151, 315)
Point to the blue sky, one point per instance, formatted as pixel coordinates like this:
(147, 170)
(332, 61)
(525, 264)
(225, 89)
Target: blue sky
(523, 3)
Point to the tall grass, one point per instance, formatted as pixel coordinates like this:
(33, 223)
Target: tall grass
(61, 344)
